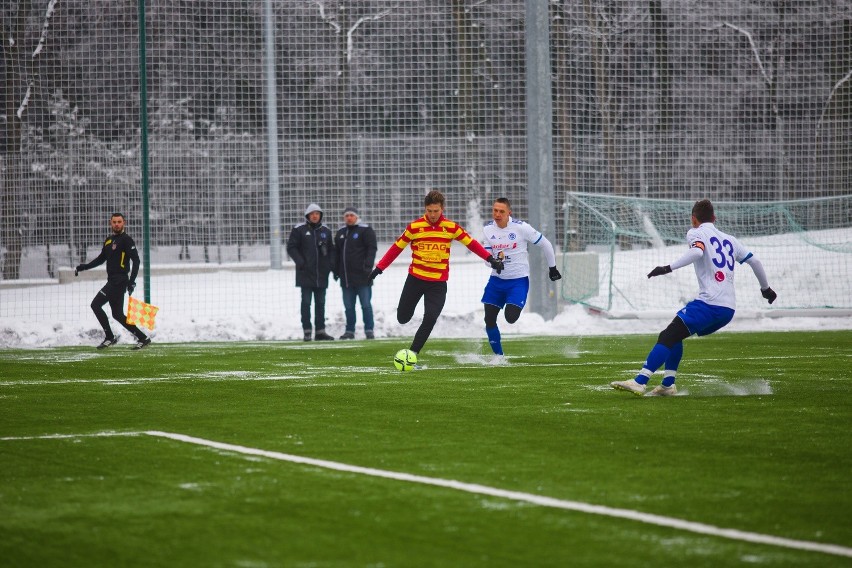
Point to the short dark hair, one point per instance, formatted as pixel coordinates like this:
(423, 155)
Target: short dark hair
(118, 215)
(504, 201)
(434, 197)
(703, 211)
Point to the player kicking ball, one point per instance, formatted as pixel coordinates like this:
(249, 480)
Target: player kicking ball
(430, 238)
(713, 254)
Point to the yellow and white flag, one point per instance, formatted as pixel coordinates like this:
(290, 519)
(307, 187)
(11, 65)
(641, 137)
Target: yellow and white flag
(140, 313)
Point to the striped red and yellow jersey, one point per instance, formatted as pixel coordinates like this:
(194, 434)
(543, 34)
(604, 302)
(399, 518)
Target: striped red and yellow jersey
(430, 248)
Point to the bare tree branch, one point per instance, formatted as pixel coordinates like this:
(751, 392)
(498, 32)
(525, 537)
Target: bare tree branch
(25, 101)
(831, 96)
(351, 32)
(48, 13)
(326, 18)
(754, 49)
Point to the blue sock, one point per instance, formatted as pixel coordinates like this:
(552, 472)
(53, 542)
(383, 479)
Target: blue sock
(656, 358)
(675, 354)
(672, 363)
(494, 339)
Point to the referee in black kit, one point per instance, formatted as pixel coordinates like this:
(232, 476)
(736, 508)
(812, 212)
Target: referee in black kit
(119, 253)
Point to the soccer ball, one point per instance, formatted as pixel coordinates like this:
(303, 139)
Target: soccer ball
(405, 360)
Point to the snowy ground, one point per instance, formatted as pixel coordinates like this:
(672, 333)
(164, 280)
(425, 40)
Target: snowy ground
(223, 304)
(264, 305)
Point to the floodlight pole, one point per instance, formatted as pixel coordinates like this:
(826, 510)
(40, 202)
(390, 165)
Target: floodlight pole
(540, 150)
(272, 139)
(143, 151)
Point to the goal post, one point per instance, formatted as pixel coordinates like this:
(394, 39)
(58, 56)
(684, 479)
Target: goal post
(611, 243)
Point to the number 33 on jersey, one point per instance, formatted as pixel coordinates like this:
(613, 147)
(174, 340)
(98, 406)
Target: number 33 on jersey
(715, 268)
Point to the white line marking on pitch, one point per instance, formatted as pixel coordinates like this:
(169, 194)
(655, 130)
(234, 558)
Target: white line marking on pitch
(66, 436)
(647, 518)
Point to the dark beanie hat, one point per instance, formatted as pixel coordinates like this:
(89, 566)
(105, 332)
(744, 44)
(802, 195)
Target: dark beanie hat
(350, 210)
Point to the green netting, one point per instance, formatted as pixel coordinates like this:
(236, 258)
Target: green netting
(612, 242)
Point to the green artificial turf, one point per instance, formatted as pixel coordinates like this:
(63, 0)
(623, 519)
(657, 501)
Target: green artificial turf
(756, 443)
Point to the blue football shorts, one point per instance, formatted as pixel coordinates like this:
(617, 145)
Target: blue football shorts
(703, 319)
(499, 292)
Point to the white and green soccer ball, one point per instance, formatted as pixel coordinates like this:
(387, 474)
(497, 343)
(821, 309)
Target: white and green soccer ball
(405, 360)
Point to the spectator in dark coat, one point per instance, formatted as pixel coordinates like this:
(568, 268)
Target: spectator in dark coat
(356, 252)
(311, 246)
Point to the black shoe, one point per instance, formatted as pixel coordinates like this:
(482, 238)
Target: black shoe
(370, 334)
(323, 336)
(308, 336)
(142, 343)
(107, 342)
(348, 335)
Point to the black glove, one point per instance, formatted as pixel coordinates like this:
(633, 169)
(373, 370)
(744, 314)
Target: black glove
(131, 286)
(376, 271)
(79, 268)
(660, 270)
(496, 264)
(554, 274)
(769, 294)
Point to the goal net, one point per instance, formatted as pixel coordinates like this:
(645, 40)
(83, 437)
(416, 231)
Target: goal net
(611, 243)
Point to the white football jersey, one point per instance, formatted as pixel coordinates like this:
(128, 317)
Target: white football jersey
(510, 244)
(715, 268)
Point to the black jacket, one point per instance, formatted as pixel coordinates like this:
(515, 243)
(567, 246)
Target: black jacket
(356, 253)
(312, 249)
(121, 259)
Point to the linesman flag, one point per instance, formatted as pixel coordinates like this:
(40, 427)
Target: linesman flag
(140, 313)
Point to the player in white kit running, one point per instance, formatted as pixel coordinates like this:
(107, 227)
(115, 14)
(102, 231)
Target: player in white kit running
(507, 238)
(713, 254)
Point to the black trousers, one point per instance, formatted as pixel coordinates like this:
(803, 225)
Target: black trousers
(434, 296)
(113, 294)
(318, 295)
